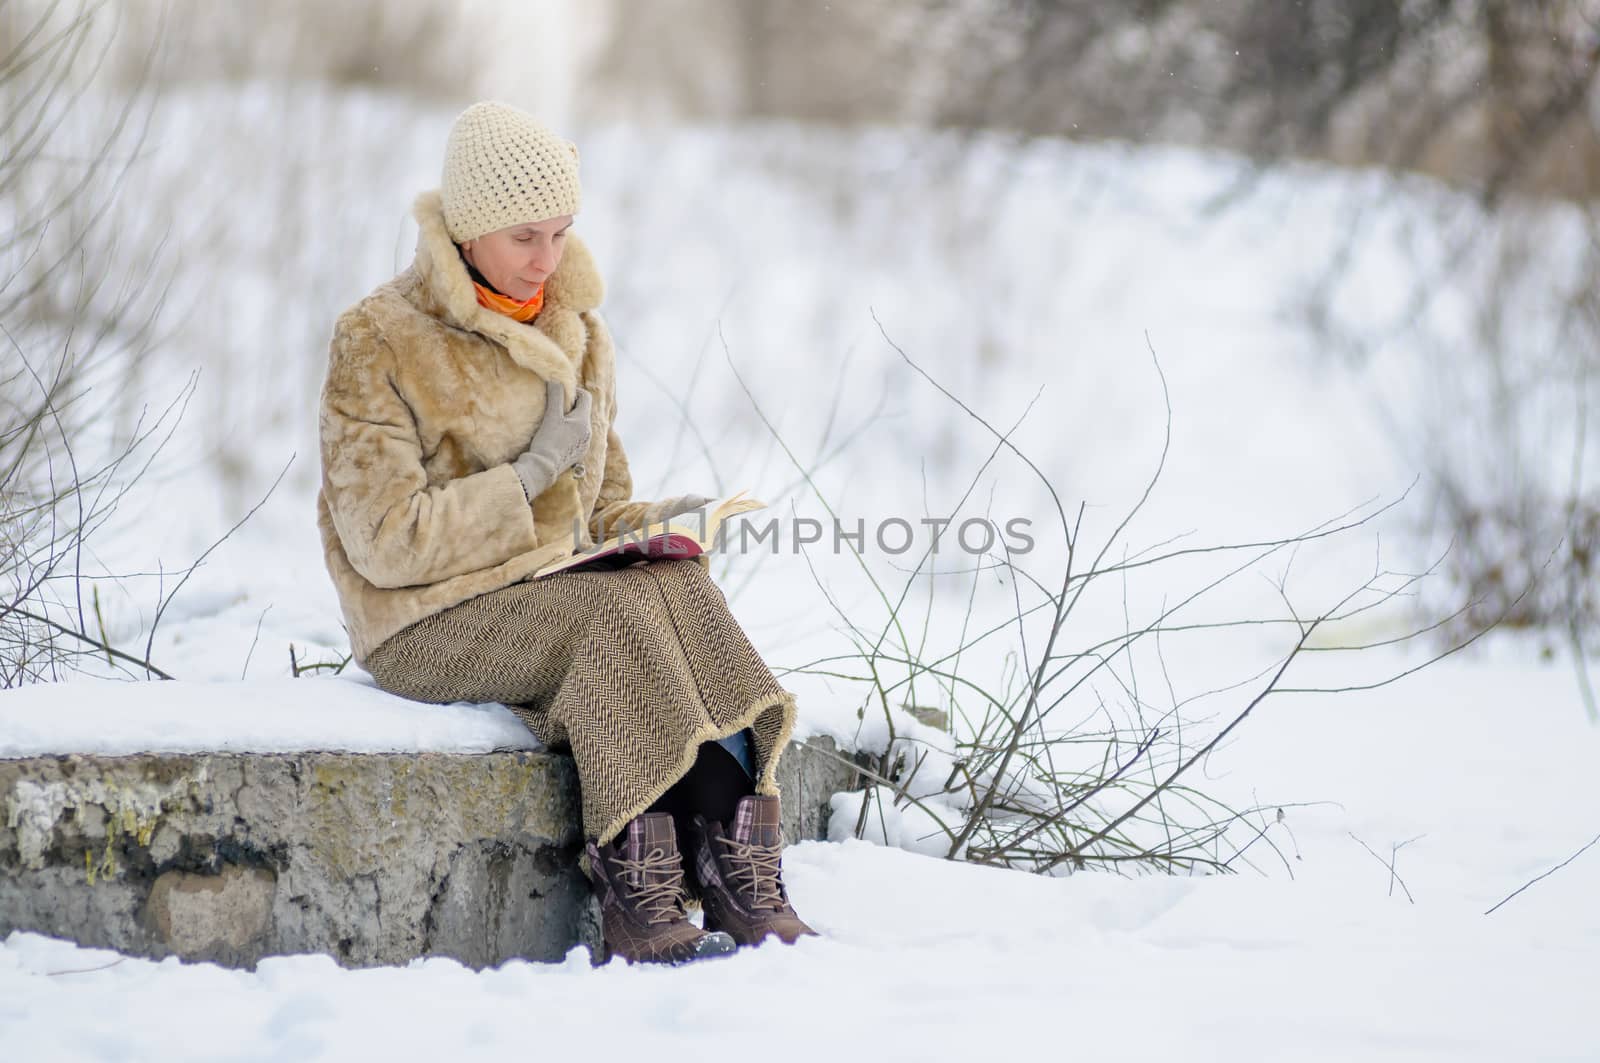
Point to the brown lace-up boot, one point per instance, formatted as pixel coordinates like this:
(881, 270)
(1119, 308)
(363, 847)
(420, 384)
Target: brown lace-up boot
(740, 876)
(639, 882)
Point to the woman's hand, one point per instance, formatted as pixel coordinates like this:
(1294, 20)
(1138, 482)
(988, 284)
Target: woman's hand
(672, 507)
(560, 440)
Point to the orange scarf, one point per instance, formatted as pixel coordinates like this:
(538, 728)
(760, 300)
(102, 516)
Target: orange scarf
(508, 306)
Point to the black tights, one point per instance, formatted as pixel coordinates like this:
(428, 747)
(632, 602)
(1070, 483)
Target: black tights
(712, 787)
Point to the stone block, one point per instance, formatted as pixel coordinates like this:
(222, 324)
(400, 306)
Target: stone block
(370, 858)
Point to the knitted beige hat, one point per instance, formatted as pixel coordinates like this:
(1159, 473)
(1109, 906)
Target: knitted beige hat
(502, 167)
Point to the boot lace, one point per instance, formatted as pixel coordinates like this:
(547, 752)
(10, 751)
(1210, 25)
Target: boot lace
(656, 882)
(755, 871)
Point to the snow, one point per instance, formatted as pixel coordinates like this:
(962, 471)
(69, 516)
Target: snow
(345, 713)
(926, 959)
(920, 959)
(1472, 776)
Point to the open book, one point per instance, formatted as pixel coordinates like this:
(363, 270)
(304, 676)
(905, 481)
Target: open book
(680, 536)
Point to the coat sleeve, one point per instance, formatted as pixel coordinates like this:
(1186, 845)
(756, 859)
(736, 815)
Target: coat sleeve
(620, 511)
(615, 505)
(396, 530)
(615, 508)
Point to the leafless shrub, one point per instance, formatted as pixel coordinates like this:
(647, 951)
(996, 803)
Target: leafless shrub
(1502, 551)
(1488, 350)
(1084, 753)
(75, 320)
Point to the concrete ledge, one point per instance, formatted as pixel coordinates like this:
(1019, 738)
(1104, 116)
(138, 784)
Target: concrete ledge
(370, 858)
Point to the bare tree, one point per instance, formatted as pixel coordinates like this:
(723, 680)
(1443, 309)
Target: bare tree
(1491, 94)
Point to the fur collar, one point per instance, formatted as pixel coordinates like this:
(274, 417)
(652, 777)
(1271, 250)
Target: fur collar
(552, 344)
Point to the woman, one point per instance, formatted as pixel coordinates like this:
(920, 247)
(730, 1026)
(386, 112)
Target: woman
(468, 438)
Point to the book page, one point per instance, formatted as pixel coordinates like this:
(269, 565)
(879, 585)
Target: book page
(681, 535)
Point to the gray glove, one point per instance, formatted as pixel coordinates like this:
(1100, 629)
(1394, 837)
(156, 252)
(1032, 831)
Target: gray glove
(560, 440)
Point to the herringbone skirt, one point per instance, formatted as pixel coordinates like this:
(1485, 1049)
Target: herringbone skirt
(631, 669)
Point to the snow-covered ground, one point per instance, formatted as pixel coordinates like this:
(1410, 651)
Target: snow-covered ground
(1481, 768)
(924, 959)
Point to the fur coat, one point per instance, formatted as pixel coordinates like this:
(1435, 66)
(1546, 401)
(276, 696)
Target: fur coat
(428, 398)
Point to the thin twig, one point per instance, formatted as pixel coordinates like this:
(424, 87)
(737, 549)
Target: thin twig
(1547, 874)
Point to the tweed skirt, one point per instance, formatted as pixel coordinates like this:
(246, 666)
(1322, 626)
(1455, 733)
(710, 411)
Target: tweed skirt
(630, 669)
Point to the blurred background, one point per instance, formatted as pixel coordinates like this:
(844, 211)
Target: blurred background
(1358, 236)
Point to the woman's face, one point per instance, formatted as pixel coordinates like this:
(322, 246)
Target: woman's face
(516, 260)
